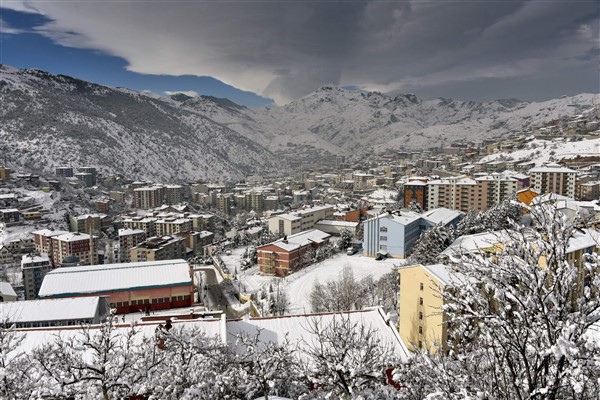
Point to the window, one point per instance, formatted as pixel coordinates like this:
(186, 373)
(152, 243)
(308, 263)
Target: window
(420, 344)
(420, 301)
(421, 286)
(382, 247)
(420, 330)
(384, 238)
(420, 315)
(383, 229)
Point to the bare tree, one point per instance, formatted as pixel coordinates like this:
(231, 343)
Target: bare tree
(346, 358)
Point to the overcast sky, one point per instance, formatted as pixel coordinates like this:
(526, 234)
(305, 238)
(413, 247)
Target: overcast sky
(283, 50)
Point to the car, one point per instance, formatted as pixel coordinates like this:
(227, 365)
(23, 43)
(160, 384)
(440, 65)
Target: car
(228, 252)
(351, 250)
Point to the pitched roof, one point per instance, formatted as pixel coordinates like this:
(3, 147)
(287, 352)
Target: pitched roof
(49, 309)
(105, 278)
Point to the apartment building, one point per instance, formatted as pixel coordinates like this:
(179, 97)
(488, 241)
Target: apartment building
(170, 226)
(173, 194)
(89, 222)
(42, 240)
(415, 190)
(73, 244)
(553, 178)
(202, 222)
(464, 193)
(223, 203)
(145, 224)
(33, 269)
(300, 220)
(4, 174)
(361, 180)
(148, 197)
(255, 200)
(420, 320)
(158, 248)
(129, 238)
(64, 172)
(8, 215)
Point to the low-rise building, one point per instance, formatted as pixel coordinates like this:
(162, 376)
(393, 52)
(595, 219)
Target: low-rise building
(8, 215)
(56, 312)
(285, 255)
(130, 287)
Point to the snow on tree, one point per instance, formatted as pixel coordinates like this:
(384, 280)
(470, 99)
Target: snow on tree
(431, 243)
(519, 322)
(346, 360)
(345, 239)
(347, 293)
(95, 363)
(18, 377)
(264, 368)
(436, 239)
(191, 365)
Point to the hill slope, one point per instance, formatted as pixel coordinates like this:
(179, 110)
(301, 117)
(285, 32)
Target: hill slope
(52, 120)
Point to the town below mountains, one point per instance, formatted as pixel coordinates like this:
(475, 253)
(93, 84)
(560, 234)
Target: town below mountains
(346, 245)
(54, 120)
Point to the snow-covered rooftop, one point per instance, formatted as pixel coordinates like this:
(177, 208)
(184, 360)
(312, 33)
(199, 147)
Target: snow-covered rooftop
(301, 239)
(49, 309)
(105, 278)
(441, 215)
(7, 290)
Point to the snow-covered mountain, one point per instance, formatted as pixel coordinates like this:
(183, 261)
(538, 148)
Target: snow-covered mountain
(53, 120)
(354, 122)
(335, 121)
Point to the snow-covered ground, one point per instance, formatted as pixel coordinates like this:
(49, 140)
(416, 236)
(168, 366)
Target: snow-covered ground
(299, 285)
(544, 151)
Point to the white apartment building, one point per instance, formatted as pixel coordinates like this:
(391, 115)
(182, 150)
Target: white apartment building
(553, 178)
(300, 220)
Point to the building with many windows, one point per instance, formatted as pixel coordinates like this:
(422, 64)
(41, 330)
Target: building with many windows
(33, 269)
(73, 244)
(300, 220)
(129, 238)
(285, 255)
(159, 248)
(148, 197)
(553, 178)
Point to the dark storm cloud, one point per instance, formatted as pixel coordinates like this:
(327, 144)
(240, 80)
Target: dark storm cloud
(285, 49)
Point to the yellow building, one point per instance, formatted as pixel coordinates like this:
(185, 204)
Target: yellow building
(420, 319)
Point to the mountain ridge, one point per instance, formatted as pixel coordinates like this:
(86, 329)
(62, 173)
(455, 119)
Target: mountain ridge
(52, 120)
(237, 140)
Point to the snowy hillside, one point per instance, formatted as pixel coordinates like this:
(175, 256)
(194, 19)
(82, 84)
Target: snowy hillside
(53, 120)
(543, 151)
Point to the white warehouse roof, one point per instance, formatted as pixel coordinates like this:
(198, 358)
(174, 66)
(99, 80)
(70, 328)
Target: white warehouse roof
(114, 277)
(79, 308)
